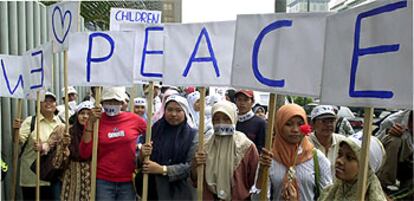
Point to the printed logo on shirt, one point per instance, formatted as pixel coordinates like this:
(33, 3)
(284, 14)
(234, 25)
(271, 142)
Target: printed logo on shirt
(116, 133)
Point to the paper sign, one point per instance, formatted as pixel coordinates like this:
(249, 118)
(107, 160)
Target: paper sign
(38, 70)
(280, 53)
(369, 57)
(64, 18)
(123, 16)
(11, 82)
(198, 54)
(101, 59)
(149, 58)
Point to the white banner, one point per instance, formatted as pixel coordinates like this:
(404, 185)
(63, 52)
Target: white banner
(149, 48)
(64, 18)
(369, 57)
(101, 59)
(122, 19)
(38, 70)
(280, 53)
(11, 82)
(198, 54)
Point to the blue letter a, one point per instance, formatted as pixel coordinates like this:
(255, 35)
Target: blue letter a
(212, 58)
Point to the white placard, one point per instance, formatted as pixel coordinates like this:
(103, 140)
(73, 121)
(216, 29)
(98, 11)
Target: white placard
(38, 70)
(101, 58)
(64, 19)
(12, 78)
(150, 52)
(125, 16)
(198, 54)
(369, 57)
(280, 53)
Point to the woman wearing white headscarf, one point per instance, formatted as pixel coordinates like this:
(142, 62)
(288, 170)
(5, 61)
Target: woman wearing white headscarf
(230, 157)
(173, 145)
(194, 104)
(346, 171)
(160, 113)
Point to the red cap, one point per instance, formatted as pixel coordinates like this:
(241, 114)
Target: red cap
(248, 93)
(189, 89)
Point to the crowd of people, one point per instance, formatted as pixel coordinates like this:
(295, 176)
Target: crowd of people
(323, 165)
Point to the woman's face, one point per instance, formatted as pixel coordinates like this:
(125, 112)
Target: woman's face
(290, 131)
(174, 114)
(261, 113)
(197, 105)
(83, 116)
(346, 165)
(221, 118)
(139, 110)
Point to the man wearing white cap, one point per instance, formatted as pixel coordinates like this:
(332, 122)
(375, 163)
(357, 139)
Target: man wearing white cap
(72, 96)
(27, 135)
(323, 119)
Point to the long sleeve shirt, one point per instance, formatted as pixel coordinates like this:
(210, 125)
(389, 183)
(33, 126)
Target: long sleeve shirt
(116, 146)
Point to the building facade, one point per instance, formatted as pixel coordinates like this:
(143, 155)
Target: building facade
(301, 6)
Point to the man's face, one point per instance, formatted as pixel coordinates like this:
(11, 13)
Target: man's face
(324, 127)
(72, 97)
(48, 105)
(244, 103)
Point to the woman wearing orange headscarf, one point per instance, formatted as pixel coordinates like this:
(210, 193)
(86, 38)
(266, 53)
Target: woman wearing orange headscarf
(300, 182)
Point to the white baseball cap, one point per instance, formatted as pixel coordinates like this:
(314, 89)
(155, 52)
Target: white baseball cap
(48, 93)
(85, 105)
(323, 111)
(116, 93)
(140, 102)
(71, 90)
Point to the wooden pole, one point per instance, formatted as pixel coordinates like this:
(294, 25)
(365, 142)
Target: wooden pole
(264, 171)
(38, 153)
(364, 157)
(65, 82)
(150, 100)
(95, 146)
(133, 94)
(16, 146)
(200, 169)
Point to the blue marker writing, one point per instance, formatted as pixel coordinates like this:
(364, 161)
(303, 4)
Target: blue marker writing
(359, 52)
(212, 58)
(256, 47)
(145, 52)
(38, 70)
(90, 60)
(19, 80)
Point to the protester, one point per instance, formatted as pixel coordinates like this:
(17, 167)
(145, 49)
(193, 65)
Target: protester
(230, 95)
(323, 119)
(260, 111)
(140, 107)
(188, 90)
(396, 133)
(72, 97)
(342, 126)
(248, 123)
(160, 113)
(27, 135)
(118, 132)
(302, 182)
(173, 146)
(229, 156)
(346, 171)
(195, 106)
(76, 179)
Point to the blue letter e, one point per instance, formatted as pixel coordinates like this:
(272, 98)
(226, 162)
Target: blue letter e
(256, 47)
(359, 52)
(89, 58)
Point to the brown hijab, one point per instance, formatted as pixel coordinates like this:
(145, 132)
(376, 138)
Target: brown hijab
(283, 151)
